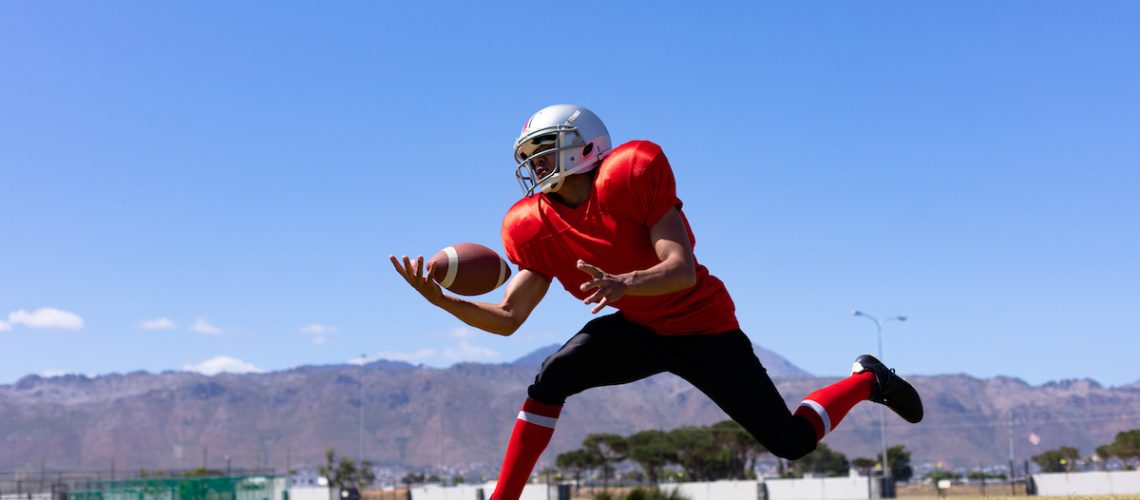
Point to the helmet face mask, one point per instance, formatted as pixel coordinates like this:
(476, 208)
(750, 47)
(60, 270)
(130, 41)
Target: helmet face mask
(571, 139)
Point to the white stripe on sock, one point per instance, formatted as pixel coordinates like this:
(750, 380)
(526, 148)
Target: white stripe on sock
(537, 419)
(819, 410)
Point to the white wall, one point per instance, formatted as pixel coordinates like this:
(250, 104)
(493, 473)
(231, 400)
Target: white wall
(716, 490)
(532, 491)
(832, 488)
(848, 488)
(436, 492)
(1088, 483)
(309, 493)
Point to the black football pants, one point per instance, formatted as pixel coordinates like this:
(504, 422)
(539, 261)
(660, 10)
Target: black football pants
(611, 350)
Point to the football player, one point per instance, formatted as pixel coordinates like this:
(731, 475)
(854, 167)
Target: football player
(607, 224)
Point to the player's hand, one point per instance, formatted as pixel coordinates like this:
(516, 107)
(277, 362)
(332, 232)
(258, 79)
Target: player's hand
(609, 287)
(414, 273)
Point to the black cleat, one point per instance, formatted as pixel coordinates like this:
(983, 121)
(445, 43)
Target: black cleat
(890, 389)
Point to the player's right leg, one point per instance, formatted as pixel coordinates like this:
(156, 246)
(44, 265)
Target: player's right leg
(608, 351)
(724, 367)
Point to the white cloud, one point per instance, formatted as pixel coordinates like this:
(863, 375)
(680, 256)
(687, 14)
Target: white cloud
(157, 324)
(317, 329)
(462, 332)
(466, 351)
(53, 373)
(410, 357)
(203, 326)
(44, 317)
(220, 364)
(319, 340)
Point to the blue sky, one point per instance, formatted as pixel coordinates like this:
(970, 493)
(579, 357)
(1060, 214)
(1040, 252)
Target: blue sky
(212, 185)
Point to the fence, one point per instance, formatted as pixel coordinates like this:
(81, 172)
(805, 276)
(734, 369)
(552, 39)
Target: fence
(178, 488)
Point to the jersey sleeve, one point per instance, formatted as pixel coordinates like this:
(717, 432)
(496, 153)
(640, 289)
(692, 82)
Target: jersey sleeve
(652, 188)
(519, 232)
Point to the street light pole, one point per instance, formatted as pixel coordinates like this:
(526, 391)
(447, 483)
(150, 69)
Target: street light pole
(882, 410)
(360, 435)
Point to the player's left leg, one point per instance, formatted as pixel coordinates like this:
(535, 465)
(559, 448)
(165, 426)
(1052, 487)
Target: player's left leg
(608, 350)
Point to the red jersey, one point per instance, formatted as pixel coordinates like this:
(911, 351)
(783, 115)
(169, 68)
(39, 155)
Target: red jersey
(633, 189)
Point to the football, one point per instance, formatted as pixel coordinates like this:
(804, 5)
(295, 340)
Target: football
(468, 269)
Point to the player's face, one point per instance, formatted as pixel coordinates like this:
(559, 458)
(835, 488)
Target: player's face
(544, 165)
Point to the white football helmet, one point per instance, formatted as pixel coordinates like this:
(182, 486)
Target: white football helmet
(580, 141)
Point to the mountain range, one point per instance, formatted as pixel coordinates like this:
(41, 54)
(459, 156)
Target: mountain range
(461, 416)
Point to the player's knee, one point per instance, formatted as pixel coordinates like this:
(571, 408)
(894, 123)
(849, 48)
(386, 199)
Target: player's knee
(555, 381)
(791, 450)
(790, 441)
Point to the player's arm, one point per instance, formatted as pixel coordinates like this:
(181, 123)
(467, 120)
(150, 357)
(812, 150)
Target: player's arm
(676, 270)
(523, 293)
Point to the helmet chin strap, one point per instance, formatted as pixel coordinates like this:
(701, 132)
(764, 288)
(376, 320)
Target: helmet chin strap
(559, 177)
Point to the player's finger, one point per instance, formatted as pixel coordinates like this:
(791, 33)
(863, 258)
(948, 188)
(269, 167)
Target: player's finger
(589, 284)
(601, 304)
(420, 268)
(410, 271)
(588, 269)
(396, 264)
(594, 297)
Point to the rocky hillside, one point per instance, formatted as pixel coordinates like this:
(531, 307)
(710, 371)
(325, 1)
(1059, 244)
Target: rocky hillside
(463, 415)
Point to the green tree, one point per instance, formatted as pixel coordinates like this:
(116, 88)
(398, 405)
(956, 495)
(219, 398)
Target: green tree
(651, 451)
(1126, 447)
(743, 449)
(698, 453)
(864, 464)
(1105, 451)
(823, 460)
(1060, 460)
(412, 478)
(899, 458)
(344, 473)
(607, 449)
(576, 462)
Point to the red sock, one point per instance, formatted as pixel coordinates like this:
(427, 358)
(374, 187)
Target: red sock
(825, 407)
(532, 433)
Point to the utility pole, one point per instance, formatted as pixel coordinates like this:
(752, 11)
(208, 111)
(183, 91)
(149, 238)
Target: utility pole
(1012, 489)
(882, 409)
(360, 435)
